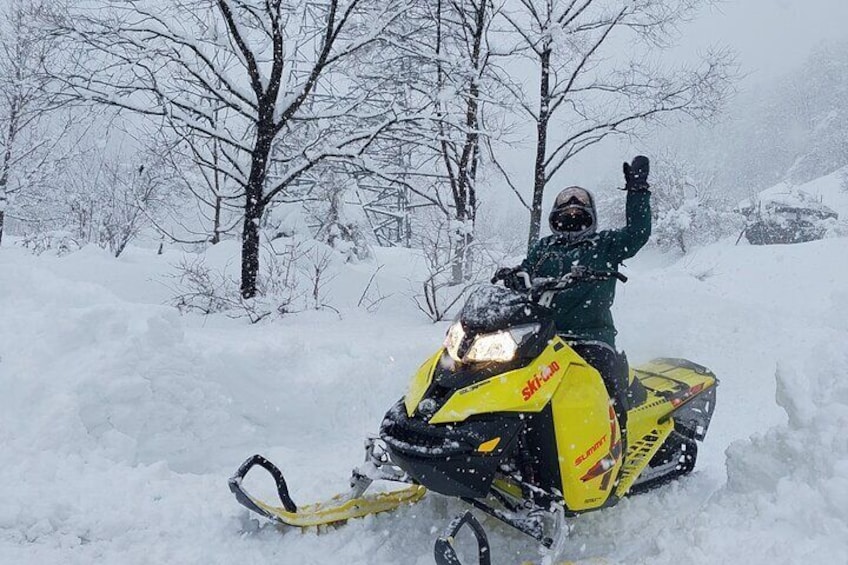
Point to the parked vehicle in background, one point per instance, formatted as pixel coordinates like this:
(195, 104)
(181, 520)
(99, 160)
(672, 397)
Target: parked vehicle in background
(788, 217)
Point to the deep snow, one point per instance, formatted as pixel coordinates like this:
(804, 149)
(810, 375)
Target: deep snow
(120, 420)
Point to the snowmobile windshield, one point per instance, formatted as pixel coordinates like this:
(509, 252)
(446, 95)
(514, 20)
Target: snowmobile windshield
(492, 308)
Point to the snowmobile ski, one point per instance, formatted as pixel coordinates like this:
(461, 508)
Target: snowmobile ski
(340, 508)
(445, 552)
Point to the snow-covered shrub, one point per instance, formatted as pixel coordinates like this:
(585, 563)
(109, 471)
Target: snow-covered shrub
(687, 209)
(293, 278)
(58, 242)
(203, 289)
(440, 291)
(328, 218)
(109, 201)
(340, 228)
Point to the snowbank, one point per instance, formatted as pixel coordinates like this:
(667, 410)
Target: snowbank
(788, 488)
(786, 497)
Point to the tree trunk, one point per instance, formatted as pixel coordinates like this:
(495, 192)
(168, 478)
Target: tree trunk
(250, 247)
(254, 207)
(216, 227)
(4, 179)
(461, 266)
(540, 172)
(465, 189)
(460, 249)
(4, 197)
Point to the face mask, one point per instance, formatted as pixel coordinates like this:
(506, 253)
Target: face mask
(571, 219)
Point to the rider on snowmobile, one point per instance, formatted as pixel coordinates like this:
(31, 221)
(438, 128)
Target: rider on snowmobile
(506, 416)
(582, 311)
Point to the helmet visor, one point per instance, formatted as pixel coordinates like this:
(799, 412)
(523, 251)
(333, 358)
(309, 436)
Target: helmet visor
(573, 195)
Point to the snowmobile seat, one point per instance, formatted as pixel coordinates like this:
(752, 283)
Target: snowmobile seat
(637, 394)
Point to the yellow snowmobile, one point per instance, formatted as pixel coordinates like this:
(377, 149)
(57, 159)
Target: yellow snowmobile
(507, 417)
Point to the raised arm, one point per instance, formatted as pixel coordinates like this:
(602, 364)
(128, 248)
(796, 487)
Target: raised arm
(627, 241)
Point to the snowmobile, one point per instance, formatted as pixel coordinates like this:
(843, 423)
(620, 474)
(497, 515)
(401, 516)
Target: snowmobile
(509, 418)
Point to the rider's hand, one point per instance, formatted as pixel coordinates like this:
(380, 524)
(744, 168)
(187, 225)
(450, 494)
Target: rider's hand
(513, 278)
(517, 280)
(502, 273)
(636, 174)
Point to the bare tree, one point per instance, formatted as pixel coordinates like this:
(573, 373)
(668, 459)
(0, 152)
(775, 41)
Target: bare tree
(26, 102)
(587, 90)
(437, 294)
(276, 72)
(109, 197)
(213, 202)
(442, 57)
(462, 56)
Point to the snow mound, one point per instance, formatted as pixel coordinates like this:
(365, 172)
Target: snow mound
(785, 501)
(794, 479)
(786, 497)
(797, 476)
(101, 374)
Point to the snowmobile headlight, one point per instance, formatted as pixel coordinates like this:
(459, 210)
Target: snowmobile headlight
(453, 340)
(500, 346)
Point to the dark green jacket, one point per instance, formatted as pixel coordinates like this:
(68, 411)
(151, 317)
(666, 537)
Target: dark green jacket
(583, 310)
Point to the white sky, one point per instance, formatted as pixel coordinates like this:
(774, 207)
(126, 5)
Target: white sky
(768, 35)
(770, 38)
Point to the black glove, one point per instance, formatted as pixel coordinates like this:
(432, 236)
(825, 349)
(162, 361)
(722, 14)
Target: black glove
(636, 174)
(513, 278)
(502, 273)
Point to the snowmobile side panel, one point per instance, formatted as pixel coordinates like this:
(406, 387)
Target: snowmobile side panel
(670, 384)
(642, 448)
(589, 448)
(420, 383)
(677, 389)
(528, 389)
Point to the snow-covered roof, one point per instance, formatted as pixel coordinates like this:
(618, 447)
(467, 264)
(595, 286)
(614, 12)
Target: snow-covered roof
(824, 196)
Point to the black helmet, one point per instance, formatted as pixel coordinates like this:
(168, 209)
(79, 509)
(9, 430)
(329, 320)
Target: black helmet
(573, 215)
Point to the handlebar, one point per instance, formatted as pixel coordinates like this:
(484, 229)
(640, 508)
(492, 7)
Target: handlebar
(577, 274)
(546, 284)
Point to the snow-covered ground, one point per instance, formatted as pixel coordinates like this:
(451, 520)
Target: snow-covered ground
(120, 420)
